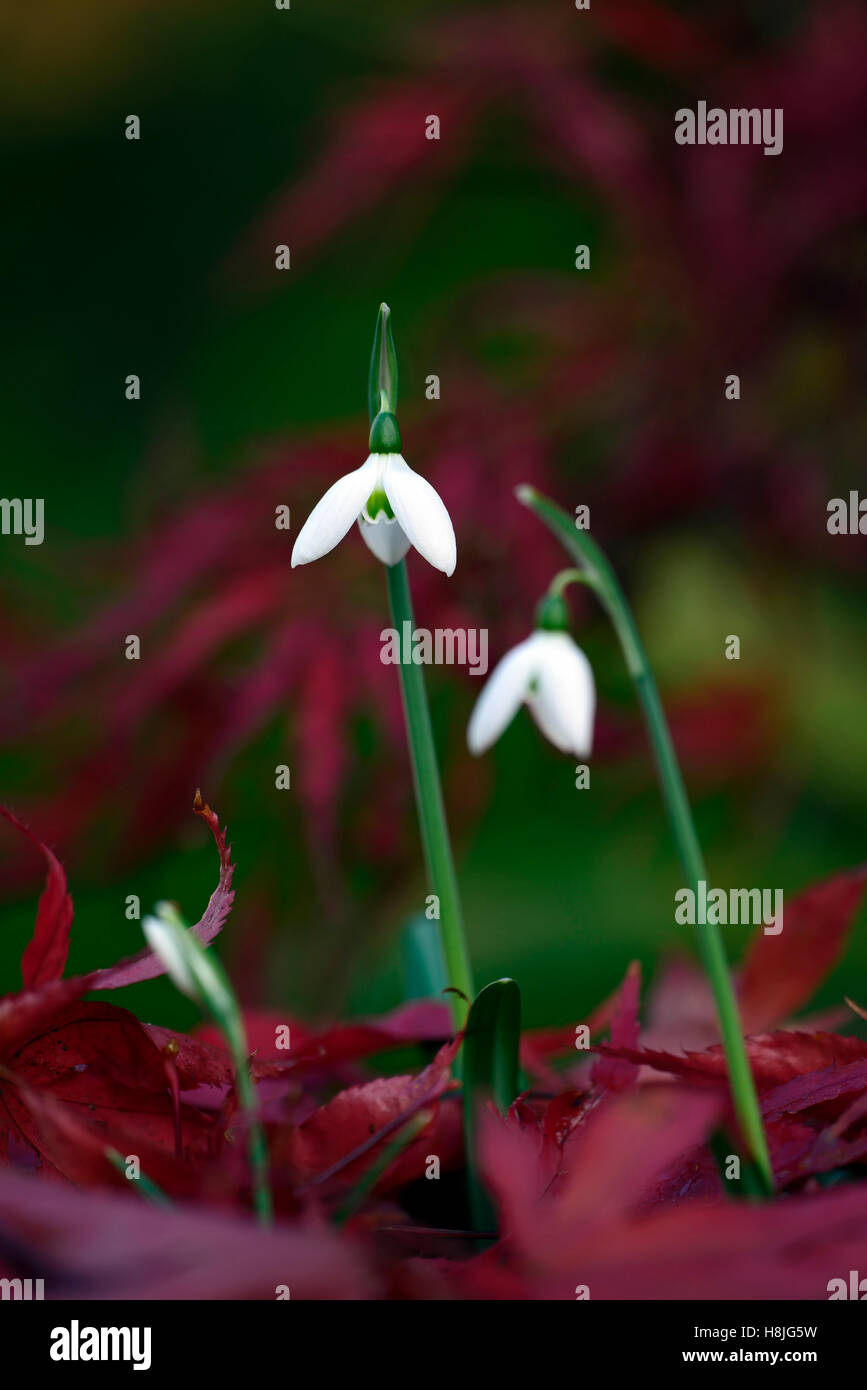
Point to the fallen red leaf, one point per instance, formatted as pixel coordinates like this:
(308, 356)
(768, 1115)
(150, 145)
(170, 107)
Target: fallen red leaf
(781, 973)
(353, 1124)
(44, 957)
(146, 965)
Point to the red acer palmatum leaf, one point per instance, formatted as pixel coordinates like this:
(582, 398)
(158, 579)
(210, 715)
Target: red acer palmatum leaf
(338, 1141)
(605, 1226)
(693, 1251)
(22, 1014)
(92, 1070)
(817, 921)
(657, 35)
(774, 1057)
(281, 1044)
(196, 1063)
(107, 1246)
(540, 1044)
(816, 1088)
(148, 966)
(378, 144)
(614, 1073)
(824, 1153)
(44, 957)
(614, 1159)
(67, 1142)
(781, 973)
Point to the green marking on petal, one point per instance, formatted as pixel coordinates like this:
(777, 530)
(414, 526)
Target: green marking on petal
(378, 502)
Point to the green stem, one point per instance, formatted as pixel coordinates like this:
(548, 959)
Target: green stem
(257, 1149)
(597, 572)
(404, 1137)
(200, 975)
(144, 1185)
(429, 803)
(561, 581)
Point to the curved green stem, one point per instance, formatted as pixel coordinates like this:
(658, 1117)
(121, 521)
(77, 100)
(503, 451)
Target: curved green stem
(597, 572)
(429, 803)
(561, 581)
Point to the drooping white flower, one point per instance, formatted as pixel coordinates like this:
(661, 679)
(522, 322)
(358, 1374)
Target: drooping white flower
(189, 966)
(162, 937)
(550, 675)
(395, 508)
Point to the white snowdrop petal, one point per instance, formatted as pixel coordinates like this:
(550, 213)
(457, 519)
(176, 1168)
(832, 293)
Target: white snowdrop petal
(564, 700)
(421, 512)
(506, 688)
(385, 538)
(162, 942)
(334, 513)
(549, 724)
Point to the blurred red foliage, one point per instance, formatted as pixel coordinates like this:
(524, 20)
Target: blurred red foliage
(722, 256)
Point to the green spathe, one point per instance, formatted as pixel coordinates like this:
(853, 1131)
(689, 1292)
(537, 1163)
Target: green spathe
(382, 377)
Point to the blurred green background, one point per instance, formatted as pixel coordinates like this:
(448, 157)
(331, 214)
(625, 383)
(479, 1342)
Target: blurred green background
(115, 256)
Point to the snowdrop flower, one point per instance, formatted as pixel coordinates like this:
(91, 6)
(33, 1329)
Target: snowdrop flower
(395, 508)
(162, 939)
(548, 673)
(188, 965)
(198, 973)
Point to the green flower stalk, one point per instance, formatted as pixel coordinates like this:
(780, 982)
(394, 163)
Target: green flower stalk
(396, 509)
(436, 843)
(144, 1185)
(199, 975)
(596, 572)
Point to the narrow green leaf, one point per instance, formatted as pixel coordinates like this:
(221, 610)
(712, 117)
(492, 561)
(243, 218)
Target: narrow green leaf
(491, 1042)
(751, 1183)
(198, 973)
(489, 1073)
(381, 1163)
(144, 1185)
